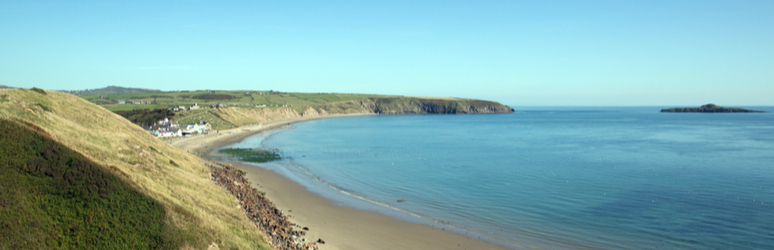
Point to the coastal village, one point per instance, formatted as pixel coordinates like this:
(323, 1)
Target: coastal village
(169, 128)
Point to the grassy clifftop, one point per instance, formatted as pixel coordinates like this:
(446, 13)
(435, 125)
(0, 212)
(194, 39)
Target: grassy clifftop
(160, 185)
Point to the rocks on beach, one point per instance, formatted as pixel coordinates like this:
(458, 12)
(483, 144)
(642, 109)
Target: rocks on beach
(270, 220)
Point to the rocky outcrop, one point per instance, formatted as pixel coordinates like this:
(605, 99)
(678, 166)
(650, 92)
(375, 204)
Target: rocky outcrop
(271, 221)
(313, 112)
(310, 112)
(710, 108)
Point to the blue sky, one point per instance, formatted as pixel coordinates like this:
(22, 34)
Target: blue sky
(617, 53)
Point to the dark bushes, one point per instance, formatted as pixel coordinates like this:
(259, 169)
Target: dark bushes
(212, 96)
(39, 90)
(146, 117)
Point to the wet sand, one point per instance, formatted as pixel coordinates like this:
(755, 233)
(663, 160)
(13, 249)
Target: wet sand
(341, 227)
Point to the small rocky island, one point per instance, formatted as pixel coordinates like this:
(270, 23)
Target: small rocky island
(710, 108)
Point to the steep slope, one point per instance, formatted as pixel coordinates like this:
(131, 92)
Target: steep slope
(195, 210)
(54, 198)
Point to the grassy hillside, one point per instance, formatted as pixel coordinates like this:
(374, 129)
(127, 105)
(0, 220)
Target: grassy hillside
(196, 212)
(54, 198)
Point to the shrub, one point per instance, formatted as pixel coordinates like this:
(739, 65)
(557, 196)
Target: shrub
(39, 90)
(45, 108)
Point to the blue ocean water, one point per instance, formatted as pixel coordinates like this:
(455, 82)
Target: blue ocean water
(553, 178)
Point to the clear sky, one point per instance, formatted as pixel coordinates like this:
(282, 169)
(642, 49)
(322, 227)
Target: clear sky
(617, 53)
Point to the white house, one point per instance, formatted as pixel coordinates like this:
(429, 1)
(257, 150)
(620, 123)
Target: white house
(175, 132)
(197, 128)
(166, 130)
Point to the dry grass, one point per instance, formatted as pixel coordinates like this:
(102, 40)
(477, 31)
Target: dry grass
(194, 204)
(241, 117)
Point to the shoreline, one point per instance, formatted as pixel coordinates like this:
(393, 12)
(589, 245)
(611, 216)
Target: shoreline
(341, 227)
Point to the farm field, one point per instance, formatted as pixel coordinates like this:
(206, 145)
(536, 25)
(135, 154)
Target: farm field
(242, 99)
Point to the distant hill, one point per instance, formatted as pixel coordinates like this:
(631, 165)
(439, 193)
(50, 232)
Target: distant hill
(111, 90)
(710, 108)
(5, 87)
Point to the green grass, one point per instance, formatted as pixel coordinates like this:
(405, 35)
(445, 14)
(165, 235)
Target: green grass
(128, 107)
(251, 155)
(54, 198)
(196, 116)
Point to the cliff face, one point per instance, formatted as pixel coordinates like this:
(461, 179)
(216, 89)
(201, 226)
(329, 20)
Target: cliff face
(395, 106)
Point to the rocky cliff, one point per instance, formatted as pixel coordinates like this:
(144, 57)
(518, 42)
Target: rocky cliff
(394, 106)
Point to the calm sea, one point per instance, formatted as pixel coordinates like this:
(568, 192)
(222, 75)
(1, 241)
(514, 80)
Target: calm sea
(554, 178)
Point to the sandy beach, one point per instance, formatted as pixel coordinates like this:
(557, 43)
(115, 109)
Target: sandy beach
(341, 227)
